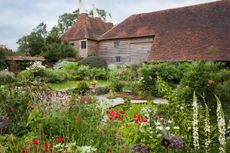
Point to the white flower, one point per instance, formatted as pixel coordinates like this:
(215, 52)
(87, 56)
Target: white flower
(159, 135)
(159, 128)
(221, 126)
(167, 128)
(181, 107)
(176, 127)
(157, 123)
(207, 129)
(169, 121)
(195, 123)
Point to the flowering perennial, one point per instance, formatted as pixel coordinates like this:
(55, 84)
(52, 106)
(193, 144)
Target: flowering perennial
(221, 126)
(207, 128)
(195, 123)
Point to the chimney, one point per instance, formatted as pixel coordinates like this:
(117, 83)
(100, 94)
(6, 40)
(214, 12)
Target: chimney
(95, 13)
(81, 7)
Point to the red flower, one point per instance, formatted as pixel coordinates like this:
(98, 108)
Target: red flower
(47, 146)
(121, 119)
(127, 126)
(109, 150)
(113, 115)
(24, 150)
(122, 112)
(36, 142)
(137, 118)
(60, 140)
(144, 120)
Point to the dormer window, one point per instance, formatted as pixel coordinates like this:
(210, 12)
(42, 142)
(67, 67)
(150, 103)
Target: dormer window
(83, 44)
(116, 44)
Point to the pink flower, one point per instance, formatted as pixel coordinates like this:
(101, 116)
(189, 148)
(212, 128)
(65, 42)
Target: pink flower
(144, 120)
(113, 115)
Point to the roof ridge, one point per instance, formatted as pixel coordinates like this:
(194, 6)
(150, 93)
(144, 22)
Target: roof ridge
(115, 26)
(182, 7)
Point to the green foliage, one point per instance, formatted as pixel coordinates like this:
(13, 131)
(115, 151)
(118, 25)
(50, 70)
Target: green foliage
(94, 61)
(25, 75)
(162, 88)
(6, 77)
(82, 87)
(55, 75)
(4, 51)
(83, 72)
(34, 43)
(148, 75)
(67, 20)
(98, 73)
(57, 51)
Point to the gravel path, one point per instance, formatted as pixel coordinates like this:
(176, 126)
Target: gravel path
(118, 101)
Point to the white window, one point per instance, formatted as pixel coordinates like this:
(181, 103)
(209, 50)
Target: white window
(116, 44)
(118, 59)
(83, 44)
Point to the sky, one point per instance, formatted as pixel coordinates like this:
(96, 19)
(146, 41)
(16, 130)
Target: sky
(20, 17)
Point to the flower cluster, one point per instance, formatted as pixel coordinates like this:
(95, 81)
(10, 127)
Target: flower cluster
(139, 119)
(36, 66)
(221, 126)
(195, 123)
(207, 128)
(36, 142)
(114, 115)
(140, 149)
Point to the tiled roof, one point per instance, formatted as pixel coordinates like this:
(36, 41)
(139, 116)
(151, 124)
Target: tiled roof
(195, 32)
(86, 28)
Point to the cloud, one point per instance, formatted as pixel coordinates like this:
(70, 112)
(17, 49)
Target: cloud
(19, 17)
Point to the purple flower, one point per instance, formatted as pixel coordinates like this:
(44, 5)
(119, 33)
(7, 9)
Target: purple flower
(176, 143)
(140, 149)
(3, 122)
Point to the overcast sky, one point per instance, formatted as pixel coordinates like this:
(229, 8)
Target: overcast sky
(19, 17)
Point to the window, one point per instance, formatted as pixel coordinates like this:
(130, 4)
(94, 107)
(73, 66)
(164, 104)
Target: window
(118, 59)
(83, 44)
(116, 44)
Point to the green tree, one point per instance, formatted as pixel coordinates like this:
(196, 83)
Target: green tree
(4, 51)
(57, 51)
(34, 43)
(66, 20)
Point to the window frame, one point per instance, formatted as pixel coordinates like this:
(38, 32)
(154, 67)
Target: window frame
(118, 59)
(83, 44)
(116, 44)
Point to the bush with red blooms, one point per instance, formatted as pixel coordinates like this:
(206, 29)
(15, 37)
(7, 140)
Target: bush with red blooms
(114, 115)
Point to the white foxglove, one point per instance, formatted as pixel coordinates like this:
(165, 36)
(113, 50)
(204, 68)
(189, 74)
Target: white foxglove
(207, 128)
(195, 123)
(221, 126)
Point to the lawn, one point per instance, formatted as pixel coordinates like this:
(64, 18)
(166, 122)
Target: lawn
(74, 84)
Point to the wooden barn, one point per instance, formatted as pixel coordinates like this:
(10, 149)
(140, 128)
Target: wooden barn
(198, 32)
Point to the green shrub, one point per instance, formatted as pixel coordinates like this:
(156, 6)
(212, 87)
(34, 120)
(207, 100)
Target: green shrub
(25, 75)
(55, 75)
(148, 75)
(94, 61)
(57, 51)
(83, 72)
(6, 77)
(83, 87)
(98, 73)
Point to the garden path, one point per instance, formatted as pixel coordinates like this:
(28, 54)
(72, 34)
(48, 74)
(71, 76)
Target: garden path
(118, 101)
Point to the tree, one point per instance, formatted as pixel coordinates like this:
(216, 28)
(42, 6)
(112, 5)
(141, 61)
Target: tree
(57, 51)
(34, 43)
(4, 51)
(66, 20)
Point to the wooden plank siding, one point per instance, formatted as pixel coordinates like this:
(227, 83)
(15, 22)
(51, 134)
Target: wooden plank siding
(132, 51)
